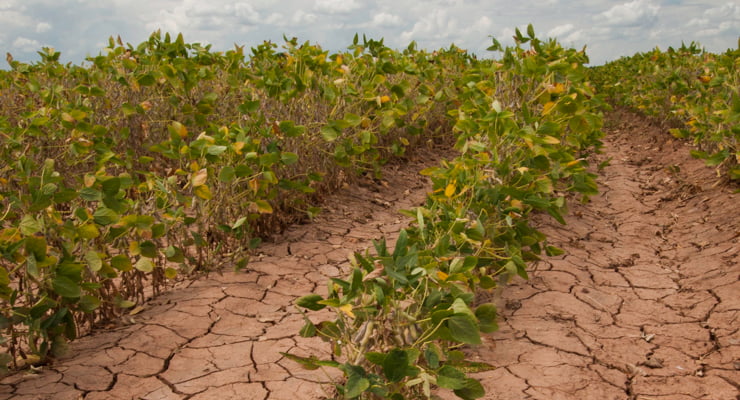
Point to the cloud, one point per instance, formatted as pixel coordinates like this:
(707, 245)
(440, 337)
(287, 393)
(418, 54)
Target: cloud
(435, 25)
(26, 45)
(301, 17)
(560, 30)
(634, 13)
(727, 10)
(336, 6)
(42, 27)
(698, 22)
(384, 19)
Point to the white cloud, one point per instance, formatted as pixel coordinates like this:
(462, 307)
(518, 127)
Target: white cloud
(636, 12)
(384, 19)
(727, 10)
(436, 25)
(698, 22)
(560, 30)
(42, 27)
(27, 45)
(482, 24)
(301, 17)
(336, 6)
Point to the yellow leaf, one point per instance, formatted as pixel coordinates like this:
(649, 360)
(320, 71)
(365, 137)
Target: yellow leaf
(572, 163)
(347, 309)
(89, 180)
(199, 178)
(517, 204)
(67, 118)
(133, 248)
(548, 107)
(254, 184)
(550, 139)
(203, 192)
(238, 146)
(180, 129)
(442, 276)
(556, 89)
(263, 207)
(384, 99)
(450, 190)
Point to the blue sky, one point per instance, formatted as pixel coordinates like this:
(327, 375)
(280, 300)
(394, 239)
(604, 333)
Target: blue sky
(610, 29)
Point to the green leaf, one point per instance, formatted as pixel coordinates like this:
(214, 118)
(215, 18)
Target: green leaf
(88, 231)
(111, 186)
(432, 355)
(463, 329)
(174, 254)
(487, 316)
(553, 251)
(356, 384)
(216, 150)
(309, 363)
(472, 390)
(144, 265)
(310, 302)
(89, 303)
(375, 357)
(94, 262)
(353, 119)
(90, 194)
(146, 80)
(308, 330)
(395, 365)
(288, 158)
(227, 174)
(29, 225)
(450, 378)
(121, 262)
(4, 279)
(123, 303)
(329, 133)
(66, 287)
(105, 216)
(32, 267)
(37, 247)
(292, 130)
(148, 249)
(461, 308)
(249, 107)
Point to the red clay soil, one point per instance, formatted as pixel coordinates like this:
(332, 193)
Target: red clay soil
(644, 305)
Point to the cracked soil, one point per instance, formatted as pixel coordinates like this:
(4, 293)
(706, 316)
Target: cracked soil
(644, 304)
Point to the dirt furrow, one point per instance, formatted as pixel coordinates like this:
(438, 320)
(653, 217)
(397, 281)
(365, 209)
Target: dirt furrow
(221, 337)
(645, 304)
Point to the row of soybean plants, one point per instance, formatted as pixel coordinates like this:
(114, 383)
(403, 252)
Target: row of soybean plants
(695, 91)
(152, 162)
(525, 125)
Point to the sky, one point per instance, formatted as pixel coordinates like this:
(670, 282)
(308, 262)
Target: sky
(609, 29)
